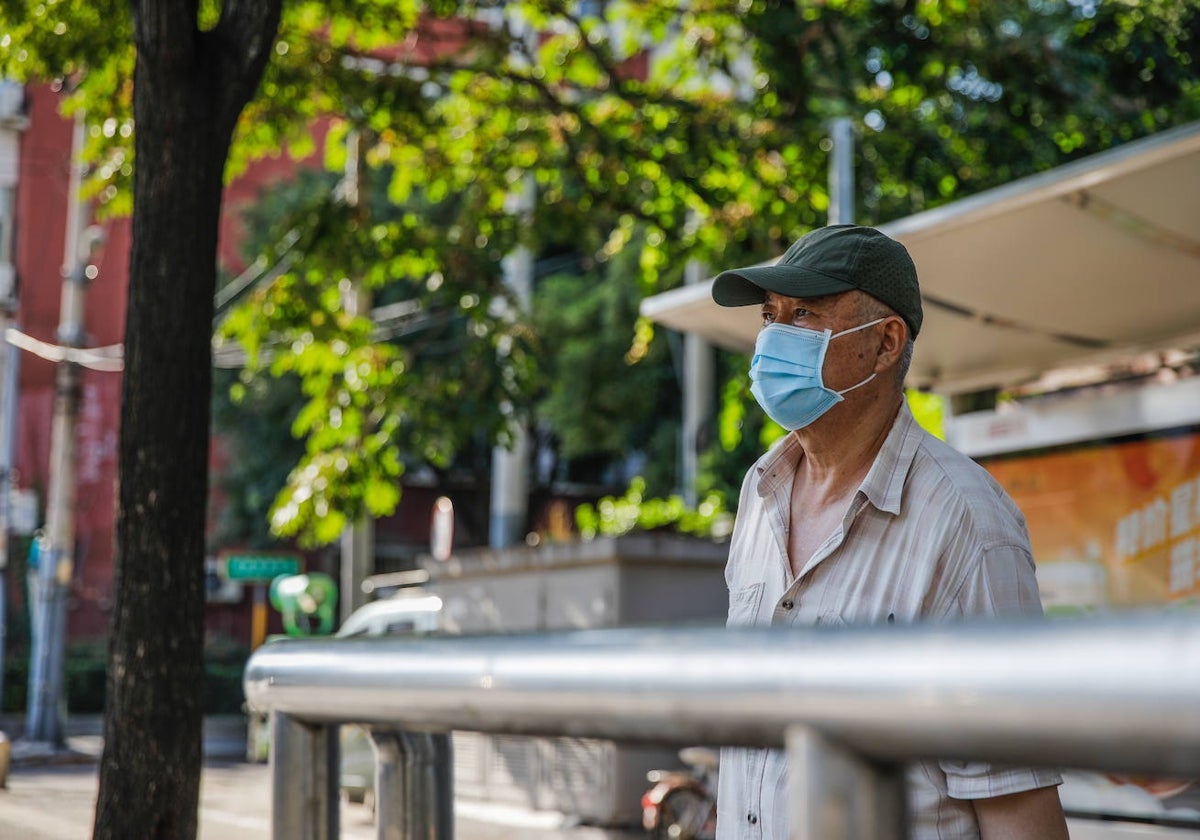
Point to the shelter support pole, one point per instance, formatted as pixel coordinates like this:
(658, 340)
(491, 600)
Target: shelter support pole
(304, 779)
(839, 795)
(414, 785)
(699, 376)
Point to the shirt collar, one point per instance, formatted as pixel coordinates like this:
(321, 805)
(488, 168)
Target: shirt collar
(778, 465)
(884, 484)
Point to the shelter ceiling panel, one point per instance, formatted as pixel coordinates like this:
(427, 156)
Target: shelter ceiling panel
(1085, 264)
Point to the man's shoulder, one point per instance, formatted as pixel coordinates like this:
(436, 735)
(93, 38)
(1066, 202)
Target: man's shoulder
(942, 473)
(940, 462)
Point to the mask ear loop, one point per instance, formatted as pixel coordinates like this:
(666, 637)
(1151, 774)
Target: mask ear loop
(860, 327)
(856, 329)
(859, 385)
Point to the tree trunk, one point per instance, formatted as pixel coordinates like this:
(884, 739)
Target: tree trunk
(189, 87)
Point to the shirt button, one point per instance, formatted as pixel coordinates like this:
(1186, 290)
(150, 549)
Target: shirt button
(788, 604)
(752, 819)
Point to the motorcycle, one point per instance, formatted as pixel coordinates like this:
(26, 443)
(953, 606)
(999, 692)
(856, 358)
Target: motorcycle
(682, 804)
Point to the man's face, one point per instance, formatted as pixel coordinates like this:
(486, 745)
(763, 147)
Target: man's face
(833, 312)
(850, 358)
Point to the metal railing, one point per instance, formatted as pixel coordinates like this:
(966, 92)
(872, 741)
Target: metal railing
(1114, 694)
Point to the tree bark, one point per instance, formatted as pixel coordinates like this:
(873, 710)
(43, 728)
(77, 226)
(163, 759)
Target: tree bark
(189, 88)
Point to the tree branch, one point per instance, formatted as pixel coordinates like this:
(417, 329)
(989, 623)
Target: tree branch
(245, 35)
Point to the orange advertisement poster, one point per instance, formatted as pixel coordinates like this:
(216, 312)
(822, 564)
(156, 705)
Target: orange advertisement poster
(1113, 524)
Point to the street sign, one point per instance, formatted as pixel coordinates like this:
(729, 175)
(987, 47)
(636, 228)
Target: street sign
(260, 567)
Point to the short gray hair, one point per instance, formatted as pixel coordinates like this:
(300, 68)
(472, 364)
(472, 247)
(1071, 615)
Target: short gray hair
(870, 308)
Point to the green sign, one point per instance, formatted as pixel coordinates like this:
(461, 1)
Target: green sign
(260, 567)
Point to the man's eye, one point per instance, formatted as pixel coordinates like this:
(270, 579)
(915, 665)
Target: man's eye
(768, 317)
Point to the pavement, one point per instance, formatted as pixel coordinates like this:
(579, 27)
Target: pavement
(51, 794)
(224, 738)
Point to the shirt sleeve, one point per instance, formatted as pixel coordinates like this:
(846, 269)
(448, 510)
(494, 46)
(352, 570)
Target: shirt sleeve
(980, 780)
(1001, 582)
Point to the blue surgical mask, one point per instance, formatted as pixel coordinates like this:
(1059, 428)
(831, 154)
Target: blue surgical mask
(785, 374)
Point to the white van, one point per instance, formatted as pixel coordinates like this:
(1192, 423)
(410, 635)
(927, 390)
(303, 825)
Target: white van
(405, 613)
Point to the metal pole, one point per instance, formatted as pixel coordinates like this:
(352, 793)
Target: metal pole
(698, 378)
(358, 564)
(510, 491)
(304, 780)
(3, 594)
(47, 700)
(414, 785)
(358, 538)
(12, 122)
(839, 795)
(4, 501)
(1114, 694)
(841, 172)
(8, 394)
(8, 415)
(391, 804)
(56, 560)
(510, 465)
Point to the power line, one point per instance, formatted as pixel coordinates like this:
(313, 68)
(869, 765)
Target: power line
(107, 358)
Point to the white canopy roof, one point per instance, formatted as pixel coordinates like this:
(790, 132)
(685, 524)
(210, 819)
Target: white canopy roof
(1087, 263)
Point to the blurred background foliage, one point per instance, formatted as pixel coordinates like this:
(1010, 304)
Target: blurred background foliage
(652, 133)
(657, 133)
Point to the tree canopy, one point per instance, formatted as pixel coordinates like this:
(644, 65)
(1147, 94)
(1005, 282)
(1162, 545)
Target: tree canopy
(680, 130)
(700, 131)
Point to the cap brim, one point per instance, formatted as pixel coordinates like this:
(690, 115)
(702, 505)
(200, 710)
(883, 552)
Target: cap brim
(746, 286)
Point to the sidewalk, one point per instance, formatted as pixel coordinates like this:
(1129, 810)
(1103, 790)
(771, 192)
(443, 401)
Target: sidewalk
(224, 738)
(51, 795)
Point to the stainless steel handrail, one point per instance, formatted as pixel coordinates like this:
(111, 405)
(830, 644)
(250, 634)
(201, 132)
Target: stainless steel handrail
(1119, 694)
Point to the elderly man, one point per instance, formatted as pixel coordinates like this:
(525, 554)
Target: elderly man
(859, 515)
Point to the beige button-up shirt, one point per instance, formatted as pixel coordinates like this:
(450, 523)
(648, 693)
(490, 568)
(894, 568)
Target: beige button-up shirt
(929, 536)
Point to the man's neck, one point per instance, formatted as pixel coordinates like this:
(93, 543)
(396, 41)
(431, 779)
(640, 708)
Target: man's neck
(840, 447)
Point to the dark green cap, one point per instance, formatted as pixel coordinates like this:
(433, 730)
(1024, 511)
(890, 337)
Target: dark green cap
(829, 260)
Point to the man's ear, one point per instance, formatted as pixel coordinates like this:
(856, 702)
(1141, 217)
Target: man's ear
(893, 337)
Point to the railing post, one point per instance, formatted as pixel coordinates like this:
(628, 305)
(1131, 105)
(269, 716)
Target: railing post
(304, 780)
(414, 785)
(839, 795)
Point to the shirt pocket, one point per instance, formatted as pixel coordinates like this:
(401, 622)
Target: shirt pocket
(743, 605)
(830, 618)
(835, 618)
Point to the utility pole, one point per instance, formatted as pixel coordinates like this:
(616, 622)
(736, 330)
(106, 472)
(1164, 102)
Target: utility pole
(841, 172)
(510, 466)
(56, 562)
(358, 538)
(8, 359)
(12, 122)
(509, 508)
